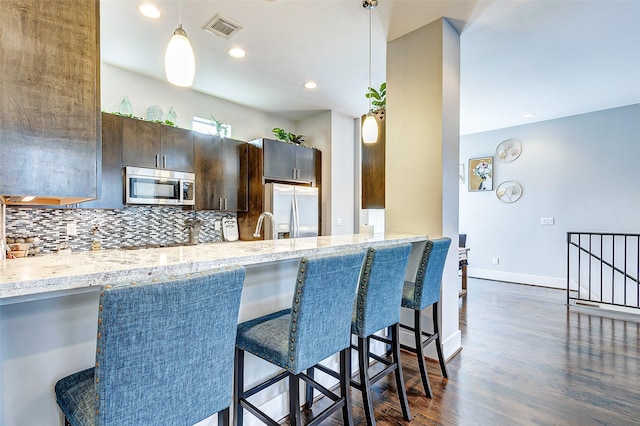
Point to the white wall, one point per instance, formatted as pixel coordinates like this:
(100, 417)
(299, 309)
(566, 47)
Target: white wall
(333, 134)
(580, 170)
(343, 176)
(246, 123)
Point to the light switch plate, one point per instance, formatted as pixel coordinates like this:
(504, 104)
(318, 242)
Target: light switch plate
(546, 221)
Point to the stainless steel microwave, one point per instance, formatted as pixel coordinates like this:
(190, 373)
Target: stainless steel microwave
(159, 187)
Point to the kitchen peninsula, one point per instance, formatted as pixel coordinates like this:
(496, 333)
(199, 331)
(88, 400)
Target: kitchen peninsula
(48, 305)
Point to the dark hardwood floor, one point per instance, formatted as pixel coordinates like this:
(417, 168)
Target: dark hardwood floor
(526, 360)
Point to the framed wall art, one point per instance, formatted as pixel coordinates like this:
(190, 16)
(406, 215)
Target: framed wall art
(481, 174)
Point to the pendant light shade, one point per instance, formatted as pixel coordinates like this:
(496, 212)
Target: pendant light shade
(370, 129)
(179, 62)
(370, 126)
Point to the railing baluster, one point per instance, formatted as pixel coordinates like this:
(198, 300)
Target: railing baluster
(606, 243)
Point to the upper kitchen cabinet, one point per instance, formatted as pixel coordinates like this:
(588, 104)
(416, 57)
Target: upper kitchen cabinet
(110, 189)
(285, 161)
(373, 166)
(221, 173)
(50, 102)
(153, 145)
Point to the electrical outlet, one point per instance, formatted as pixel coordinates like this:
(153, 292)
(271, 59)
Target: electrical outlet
(338, 221)
(72, 230)
(495, 260)
(546, 221)
(217, 225)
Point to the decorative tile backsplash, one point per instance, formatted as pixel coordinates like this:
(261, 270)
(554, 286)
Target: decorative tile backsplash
(130, 226)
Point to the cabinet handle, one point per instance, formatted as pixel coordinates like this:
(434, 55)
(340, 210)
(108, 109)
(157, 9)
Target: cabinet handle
(220, 207)
(164, 161)
(157, 161)
(225, 204)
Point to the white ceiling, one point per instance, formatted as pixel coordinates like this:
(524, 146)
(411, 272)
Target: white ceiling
(553, 58)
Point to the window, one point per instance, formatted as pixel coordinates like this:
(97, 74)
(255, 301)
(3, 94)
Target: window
(211, 127)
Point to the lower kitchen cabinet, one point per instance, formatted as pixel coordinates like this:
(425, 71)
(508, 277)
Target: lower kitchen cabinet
(221, 173)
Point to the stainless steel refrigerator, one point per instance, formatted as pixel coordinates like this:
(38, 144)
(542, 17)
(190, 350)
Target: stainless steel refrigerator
(294, 208)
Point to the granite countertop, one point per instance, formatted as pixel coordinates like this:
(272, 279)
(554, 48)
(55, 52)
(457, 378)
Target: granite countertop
(51, 273)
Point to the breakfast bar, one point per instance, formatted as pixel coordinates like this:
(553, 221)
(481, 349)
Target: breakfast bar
(48, 305)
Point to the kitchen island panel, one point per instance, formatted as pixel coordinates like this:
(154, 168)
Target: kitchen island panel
(48, 327)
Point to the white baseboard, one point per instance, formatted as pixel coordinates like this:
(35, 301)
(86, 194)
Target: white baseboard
(513, 277)
(450, 345)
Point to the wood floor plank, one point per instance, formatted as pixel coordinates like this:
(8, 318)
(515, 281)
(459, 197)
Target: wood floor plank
(526, 360)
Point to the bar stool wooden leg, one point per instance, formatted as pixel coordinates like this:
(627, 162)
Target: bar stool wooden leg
(294, 400)
(345, 388)
(436, 330)
(402, 394)
(420, 352)
(223, 417)
(309, 390)
(363, 363)
(238, 385)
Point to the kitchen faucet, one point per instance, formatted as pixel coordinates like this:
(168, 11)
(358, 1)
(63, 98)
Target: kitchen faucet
(194, 229)
(274, 233)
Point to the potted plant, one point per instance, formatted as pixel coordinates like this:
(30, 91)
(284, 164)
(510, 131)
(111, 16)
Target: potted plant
(285, 136)
(378, 100)
(221, 128)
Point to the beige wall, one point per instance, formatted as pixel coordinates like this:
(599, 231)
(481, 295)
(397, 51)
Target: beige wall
(422, 149)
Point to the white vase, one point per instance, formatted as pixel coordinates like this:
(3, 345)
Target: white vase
(486, 185)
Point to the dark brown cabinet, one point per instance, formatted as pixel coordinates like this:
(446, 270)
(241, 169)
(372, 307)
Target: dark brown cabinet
(373, 169)
(153, 145)
(110, 190)
(275, 161)
(221, 173)
(285, 161)
(50, 102)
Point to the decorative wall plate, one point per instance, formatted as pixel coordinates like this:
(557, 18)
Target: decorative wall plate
(508, 150)
(509, 191)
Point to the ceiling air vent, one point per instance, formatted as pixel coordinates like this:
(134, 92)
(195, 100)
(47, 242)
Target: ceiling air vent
(222, 26)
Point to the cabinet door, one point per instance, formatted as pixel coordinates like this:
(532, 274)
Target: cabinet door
(279, 159)
(110, 185)
(305, 164)
(140, 143)
(50, 102)
(177, 149)
(235, 174)
(208, 166)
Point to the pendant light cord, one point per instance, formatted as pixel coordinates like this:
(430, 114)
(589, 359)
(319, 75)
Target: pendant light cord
(369, 88)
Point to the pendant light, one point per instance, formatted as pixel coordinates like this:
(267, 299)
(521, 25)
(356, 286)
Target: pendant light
(179, 63)
(370, 126)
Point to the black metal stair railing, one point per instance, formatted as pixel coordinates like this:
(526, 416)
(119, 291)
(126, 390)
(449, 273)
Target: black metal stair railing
(603, 268)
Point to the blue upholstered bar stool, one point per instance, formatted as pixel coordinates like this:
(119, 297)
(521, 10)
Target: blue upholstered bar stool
(419, 295)
(156, 362)
(377, 307)
(317, 325)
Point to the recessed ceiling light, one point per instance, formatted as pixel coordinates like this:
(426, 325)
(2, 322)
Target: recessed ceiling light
(237, 52)
(149, 10)
(528, 115)
(310, 85)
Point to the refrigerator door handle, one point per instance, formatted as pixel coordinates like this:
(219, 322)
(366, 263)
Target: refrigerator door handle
(296, 218)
